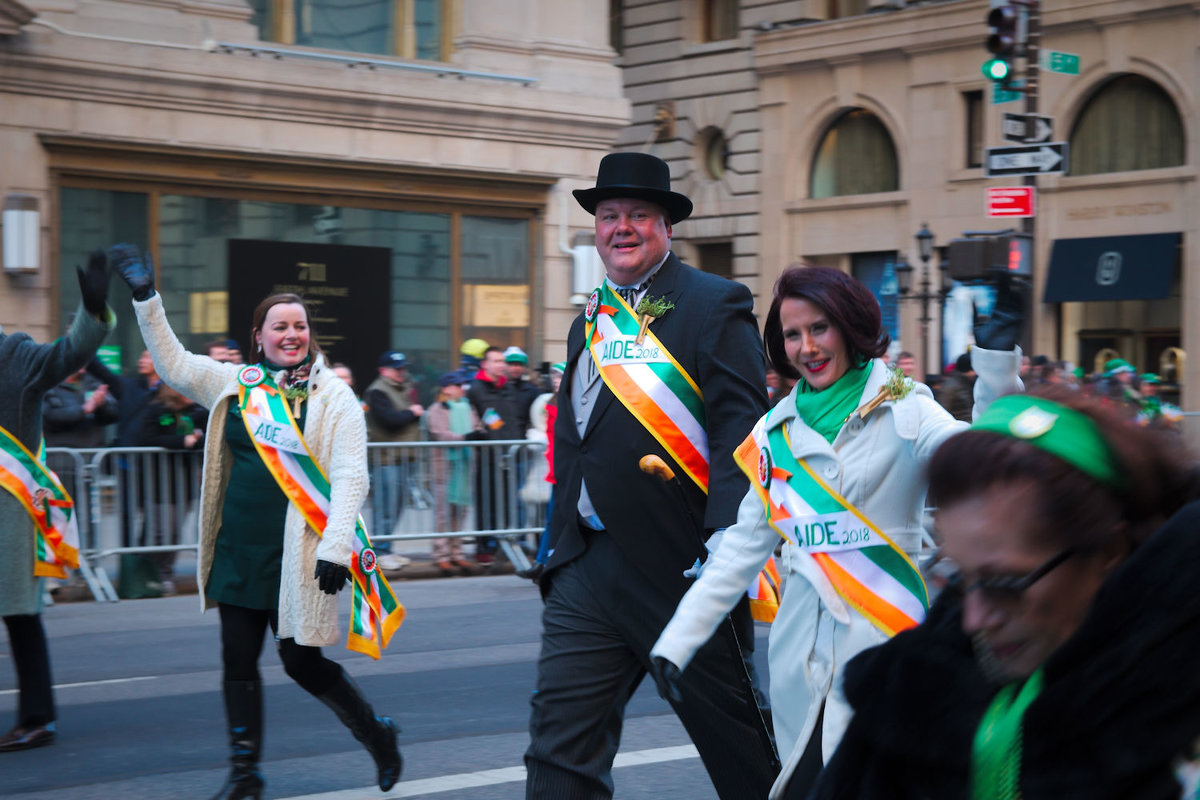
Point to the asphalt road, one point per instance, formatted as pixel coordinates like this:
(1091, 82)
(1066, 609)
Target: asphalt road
(141, 716)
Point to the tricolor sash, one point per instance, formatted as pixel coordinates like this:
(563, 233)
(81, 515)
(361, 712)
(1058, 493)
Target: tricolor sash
(55, 529)
(661, 395)
(375, 613)
(648, 381)
(867, 569)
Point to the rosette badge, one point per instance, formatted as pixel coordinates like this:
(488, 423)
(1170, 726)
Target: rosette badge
(649, 310)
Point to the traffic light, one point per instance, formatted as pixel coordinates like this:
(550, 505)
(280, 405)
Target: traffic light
(982, 257)
(1002, 41)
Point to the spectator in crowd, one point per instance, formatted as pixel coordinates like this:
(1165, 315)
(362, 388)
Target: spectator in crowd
(235, 351)
(218, 350)
(906, 363)
(175, 423)
(133, 395)
(75, 413)
(535, 570)
(492, 398)
(957, 394)
(27, 372)
(393, 417)
(1155, 410)
(524, 390)
(1116, 385)
(471, 355)
(451, 419)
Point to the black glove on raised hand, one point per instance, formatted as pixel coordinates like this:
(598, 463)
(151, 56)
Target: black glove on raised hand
(666, 677)
(1002, 330)
(93, 284)
(136, 269)
(331, 577)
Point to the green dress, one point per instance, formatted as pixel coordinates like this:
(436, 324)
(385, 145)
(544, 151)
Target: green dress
(249, 547)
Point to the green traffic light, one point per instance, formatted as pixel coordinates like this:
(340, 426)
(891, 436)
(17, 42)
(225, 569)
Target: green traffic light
(996, 69)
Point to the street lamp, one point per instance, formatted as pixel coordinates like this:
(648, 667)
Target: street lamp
(904, 276)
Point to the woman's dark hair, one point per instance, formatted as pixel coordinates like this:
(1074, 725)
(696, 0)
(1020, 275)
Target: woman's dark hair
(260, 316)
(1077, 510)
(850, 306)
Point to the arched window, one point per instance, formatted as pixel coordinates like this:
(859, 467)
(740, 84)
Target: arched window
(856, 156)
(1130, 123)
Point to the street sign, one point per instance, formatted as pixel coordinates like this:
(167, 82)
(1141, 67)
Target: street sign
(1002, 95)
(1056, 61)
(1013, 128)
(1026, 159)
(1010, 201)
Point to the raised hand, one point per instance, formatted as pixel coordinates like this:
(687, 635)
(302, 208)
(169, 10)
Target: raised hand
(1002, 330)
(331, 577)
(93, 284)
(137, 270)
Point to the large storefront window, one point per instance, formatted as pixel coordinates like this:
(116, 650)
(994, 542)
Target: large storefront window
(406, 28)
(204, 244)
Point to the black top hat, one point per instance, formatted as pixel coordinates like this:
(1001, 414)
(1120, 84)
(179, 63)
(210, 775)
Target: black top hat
(638, 175)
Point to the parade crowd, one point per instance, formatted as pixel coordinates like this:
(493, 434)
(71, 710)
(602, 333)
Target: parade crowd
(699, 475)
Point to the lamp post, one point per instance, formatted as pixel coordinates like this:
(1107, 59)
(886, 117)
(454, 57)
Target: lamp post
(904, 276)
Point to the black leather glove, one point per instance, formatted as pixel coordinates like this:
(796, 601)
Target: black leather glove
(475, 436)
(1002, 330)
(666, 677)
(136, 269)
(331, 577)
(93, 284)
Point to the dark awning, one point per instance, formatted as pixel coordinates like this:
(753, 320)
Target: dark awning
(1111, 268)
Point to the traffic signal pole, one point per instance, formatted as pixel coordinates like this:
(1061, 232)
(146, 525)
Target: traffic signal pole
(1033, 38)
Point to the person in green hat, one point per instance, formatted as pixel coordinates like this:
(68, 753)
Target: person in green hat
(1154, 410)
(1057, 662)
(1117, 384)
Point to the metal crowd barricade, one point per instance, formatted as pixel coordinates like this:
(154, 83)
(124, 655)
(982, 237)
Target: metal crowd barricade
(143, 500)
(433, 490)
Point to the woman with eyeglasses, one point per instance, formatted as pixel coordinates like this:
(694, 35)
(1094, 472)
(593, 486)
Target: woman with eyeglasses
(1060, 659)
(836, 471)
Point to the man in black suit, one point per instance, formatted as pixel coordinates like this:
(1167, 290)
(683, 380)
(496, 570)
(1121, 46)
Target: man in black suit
(622, 538)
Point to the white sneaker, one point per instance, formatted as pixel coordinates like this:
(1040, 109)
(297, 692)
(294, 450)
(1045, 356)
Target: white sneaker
(393, 561)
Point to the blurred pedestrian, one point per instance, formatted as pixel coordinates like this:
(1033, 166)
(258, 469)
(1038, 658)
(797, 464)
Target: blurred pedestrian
(1155, 410)
(451, 419)
(176, 424)
(1059, 661)
(27, 372)
(906, 362)
(957, 392)
(838, 474)
(76, 412)
(535, 570)
(260, 560)
(393, 417)
(492, 398)
(218, 350)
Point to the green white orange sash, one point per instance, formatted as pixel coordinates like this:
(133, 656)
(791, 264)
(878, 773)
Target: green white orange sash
(648, 381)
(56, 533)
(375, 613)
(660, 394)
(867, 569)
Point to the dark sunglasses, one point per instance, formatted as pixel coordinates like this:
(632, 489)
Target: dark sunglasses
(1007, 589)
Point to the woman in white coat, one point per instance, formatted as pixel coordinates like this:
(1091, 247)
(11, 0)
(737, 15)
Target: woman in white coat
(824, 329)
(260, 563)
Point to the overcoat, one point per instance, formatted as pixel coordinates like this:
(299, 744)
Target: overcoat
(661, 525)
(336, 434)
(27, 371)
(876, 464)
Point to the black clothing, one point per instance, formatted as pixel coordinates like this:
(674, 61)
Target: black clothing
(497, 397)
(65, 422)
(31, 657)
(1120, 703)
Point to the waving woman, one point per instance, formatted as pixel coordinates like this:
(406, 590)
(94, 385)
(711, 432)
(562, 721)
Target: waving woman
(261, 560)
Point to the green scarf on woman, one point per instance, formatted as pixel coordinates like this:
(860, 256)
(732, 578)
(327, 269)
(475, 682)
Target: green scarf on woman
(826, 410)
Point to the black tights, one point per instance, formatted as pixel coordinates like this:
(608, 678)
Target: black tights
(31, 657)
(242, 631)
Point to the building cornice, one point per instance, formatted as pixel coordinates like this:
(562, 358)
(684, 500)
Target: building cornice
(13, 16)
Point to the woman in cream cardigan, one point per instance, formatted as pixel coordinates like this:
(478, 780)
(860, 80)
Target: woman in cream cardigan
(824, 328)
(259, 561)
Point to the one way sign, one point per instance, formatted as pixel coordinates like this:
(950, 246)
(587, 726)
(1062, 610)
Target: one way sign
(1028, 159)
(1013, 128)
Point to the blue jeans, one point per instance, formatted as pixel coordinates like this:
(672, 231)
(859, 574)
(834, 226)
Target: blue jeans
(388, 485)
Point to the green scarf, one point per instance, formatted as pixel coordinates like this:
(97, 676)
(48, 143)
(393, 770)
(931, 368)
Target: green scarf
(996, 754)
(826, 410)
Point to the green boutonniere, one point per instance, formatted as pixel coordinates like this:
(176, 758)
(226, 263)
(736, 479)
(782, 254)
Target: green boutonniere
(897, 387)
(649, 310)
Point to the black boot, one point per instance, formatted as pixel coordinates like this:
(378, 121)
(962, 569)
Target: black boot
(243, 711)
(378, 734)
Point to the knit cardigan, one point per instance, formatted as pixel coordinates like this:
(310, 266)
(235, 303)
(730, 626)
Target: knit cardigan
(336, 434)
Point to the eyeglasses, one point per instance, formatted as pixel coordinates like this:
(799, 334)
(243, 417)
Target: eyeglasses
(1007, 589)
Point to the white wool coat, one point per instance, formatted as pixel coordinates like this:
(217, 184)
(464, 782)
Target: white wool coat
(336, 433)
(876, 464)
